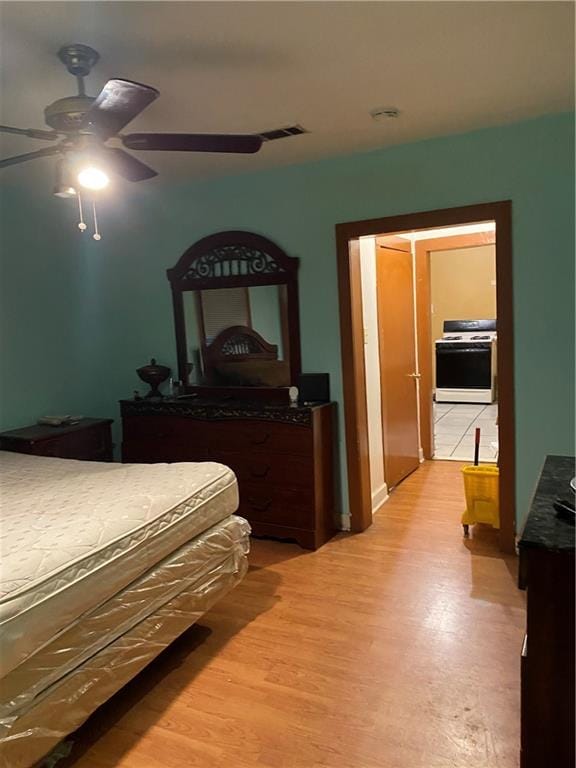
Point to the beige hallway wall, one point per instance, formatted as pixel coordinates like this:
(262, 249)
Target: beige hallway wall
(463, 286)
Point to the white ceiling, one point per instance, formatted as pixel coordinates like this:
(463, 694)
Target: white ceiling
(449, 67)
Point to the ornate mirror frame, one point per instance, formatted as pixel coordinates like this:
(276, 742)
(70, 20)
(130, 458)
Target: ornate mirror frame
(231, 260)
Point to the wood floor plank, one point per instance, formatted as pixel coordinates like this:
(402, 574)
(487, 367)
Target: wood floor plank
(395, 648)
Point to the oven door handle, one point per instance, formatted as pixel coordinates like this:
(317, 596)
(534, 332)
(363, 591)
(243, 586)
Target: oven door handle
(459, 350)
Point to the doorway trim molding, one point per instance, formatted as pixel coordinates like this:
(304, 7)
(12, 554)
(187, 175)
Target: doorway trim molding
(352, 349)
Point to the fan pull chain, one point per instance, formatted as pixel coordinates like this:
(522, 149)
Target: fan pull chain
(96, 235)
(81, 224)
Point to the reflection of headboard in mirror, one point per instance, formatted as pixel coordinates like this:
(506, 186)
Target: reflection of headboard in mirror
(267, 314)
(240, 343)
(239, 356)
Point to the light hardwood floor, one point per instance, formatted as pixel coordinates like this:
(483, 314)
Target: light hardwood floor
(396, 648)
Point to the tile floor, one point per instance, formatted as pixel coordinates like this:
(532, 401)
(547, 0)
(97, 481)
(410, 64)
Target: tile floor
(454, 426)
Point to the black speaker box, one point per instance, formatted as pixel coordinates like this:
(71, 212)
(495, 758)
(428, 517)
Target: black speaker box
(314, 388)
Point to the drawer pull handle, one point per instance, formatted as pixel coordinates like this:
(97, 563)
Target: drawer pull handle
(261, 441)
(259, 506)
(260, 473)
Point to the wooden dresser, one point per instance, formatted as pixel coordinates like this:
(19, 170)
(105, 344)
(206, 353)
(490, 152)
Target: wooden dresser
(283, 456)
(547, 573)
(89, 440)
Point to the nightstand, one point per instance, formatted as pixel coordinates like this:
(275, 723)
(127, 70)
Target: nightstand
(89, 440)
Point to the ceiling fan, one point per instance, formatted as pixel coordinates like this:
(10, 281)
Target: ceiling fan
(82, 125)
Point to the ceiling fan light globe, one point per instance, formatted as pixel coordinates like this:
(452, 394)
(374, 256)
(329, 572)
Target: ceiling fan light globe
(64, 191)
(64, 183)
(93, 178)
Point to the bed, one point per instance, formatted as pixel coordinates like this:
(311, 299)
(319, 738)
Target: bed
(102, 566)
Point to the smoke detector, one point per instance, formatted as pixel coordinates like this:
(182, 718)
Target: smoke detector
(384, 113)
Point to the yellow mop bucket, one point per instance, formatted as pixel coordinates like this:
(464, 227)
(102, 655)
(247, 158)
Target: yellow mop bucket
(481, 489)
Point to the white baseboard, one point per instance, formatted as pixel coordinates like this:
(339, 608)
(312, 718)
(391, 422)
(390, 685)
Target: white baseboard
(379, 497)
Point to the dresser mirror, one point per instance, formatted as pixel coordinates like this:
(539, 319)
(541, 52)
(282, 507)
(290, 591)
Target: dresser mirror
(235, 298)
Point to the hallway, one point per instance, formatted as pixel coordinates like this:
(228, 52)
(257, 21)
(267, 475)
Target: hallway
(396, 648)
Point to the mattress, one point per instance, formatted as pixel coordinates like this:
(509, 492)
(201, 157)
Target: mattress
(190, 566)
(47, 703)
(75, 533)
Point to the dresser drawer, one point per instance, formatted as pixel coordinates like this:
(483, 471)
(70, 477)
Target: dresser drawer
(236, 435)
(136, 428)
(263, 437)
(281, 506)
(150, 451)
(270, 469)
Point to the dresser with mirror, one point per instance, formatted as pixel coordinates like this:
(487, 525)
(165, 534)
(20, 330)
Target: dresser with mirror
(235, 300)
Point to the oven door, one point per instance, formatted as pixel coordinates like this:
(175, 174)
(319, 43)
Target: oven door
(463, 366)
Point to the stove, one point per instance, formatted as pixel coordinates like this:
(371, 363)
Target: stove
(466, 362)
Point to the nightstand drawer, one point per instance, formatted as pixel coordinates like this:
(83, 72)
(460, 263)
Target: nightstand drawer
(88, 440)
(89, 443)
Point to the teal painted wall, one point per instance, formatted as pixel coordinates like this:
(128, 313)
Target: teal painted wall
(78, 317)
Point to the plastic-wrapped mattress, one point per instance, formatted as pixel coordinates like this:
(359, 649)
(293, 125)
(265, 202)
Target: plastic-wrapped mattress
(74, 533)
(102, 566)
(58, 687)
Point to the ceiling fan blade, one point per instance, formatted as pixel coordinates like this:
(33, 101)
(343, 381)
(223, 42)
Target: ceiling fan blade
(32, 133)
(127, 166)
(116, 105)
(29, 156)
(193, 142)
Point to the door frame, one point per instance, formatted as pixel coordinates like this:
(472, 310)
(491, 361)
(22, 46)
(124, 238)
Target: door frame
(352, 349)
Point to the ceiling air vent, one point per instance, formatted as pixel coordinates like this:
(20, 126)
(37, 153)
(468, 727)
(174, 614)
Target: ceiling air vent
(282, 133)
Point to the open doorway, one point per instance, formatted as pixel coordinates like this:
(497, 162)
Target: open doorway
(410, 381)
(453, 270)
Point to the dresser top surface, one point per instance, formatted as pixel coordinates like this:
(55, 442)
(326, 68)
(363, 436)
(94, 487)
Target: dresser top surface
(187, 402)
(36, 432)
(543, 529)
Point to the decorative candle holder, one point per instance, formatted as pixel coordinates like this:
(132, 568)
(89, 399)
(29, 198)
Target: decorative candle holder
(154, 375)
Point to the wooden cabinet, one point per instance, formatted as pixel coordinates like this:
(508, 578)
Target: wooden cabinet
(283, 457)
(547, 660)
(89, 440)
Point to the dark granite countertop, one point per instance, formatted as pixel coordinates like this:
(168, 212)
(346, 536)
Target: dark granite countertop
(543, 528)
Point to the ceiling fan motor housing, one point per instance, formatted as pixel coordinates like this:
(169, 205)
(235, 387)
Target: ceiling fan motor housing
(66, 114)
(78, 58)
